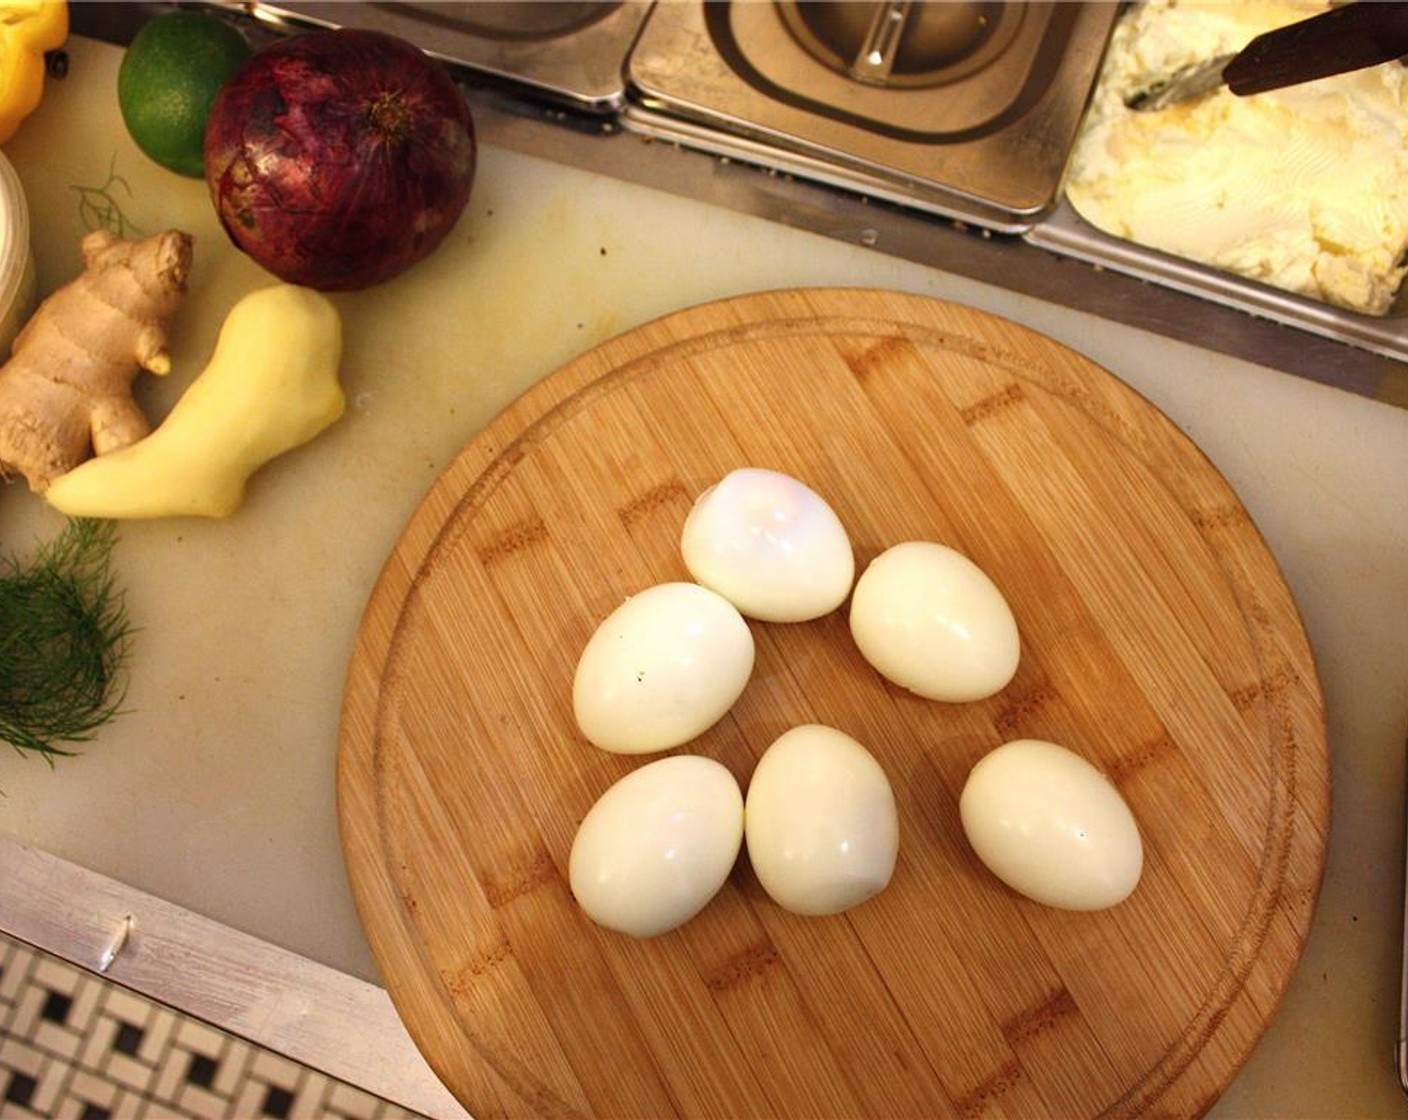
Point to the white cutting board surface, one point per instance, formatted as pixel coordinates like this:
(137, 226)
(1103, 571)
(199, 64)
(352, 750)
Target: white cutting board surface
(216, 789)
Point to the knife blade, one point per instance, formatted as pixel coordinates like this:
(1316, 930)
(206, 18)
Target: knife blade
(1351, 37)
(1188, 83)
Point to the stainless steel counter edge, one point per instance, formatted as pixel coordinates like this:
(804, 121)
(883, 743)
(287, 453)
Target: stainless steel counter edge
(335, 1023)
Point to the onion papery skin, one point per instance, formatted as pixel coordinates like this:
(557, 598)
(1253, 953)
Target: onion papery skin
(338, 159)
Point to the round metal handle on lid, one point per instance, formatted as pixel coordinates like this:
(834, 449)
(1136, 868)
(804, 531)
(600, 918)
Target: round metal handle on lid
(876, 57)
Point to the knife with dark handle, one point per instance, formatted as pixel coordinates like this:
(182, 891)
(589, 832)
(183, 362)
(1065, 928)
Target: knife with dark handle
(1351, 37)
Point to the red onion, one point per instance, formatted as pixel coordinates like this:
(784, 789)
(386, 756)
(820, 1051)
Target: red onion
(338, 159)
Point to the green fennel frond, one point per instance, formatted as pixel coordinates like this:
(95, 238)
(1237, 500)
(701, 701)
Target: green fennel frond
(64, 639)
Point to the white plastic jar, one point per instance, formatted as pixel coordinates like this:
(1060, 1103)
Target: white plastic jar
(17, 278)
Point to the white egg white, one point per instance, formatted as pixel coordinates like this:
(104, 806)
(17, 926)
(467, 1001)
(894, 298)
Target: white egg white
(820, 822)
(930, 620)
(770, 545)
(1051, 826)
(657, 845)
(661, 669)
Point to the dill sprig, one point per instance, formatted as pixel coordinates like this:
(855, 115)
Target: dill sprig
(64, 637)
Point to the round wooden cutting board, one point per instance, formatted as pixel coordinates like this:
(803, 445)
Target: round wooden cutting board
(1158, 640)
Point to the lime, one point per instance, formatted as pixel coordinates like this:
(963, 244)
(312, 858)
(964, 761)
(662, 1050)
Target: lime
(169, 77)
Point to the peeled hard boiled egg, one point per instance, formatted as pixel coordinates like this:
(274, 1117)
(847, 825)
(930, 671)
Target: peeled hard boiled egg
(930, 620)
(1051, 826)
(661, 669)
(770, 545)
(820, 822)
(657, 846)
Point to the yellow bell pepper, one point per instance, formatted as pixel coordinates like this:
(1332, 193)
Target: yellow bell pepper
(28, 28)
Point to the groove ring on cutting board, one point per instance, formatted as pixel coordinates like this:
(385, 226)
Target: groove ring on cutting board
(1159, 640)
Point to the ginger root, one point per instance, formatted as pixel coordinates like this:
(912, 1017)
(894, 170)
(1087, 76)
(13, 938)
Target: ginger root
(66, 392)
(271, 385)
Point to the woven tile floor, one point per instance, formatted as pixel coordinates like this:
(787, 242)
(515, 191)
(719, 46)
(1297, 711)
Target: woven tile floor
(74, 1046)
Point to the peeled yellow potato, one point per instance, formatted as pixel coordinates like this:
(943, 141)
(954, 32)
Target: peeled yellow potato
(271, 385)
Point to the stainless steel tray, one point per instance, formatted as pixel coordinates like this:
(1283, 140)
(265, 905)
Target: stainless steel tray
(1066, 233)
(567, 50)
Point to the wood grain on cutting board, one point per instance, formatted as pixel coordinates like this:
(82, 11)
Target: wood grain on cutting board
(1159, 641)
